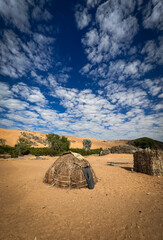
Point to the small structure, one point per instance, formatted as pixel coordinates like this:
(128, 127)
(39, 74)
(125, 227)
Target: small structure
(149, 162)
(71, 170)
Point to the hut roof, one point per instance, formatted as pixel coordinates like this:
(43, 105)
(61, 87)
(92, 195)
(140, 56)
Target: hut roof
(68, 171)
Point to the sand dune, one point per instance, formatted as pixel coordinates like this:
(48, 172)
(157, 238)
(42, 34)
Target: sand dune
(12, 136)
(123, 205)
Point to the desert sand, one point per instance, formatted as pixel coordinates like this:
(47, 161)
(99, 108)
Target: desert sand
(123, 204)
(12, 136)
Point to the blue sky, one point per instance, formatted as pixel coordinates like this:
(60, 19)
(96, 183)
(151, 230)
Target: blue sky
(90, 68)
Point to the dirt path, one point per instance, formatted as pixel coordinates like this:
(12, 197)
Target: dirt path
(123, 205)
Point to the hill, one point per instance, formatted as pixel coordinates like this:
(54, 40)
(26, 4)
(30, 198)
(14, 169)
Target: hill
(38, 139)
(145, 142)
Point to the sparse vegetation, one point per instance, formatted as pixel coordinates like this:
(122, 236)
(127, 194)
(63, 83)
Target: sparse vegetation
(22, 147)
(86, 152)
(87, 144)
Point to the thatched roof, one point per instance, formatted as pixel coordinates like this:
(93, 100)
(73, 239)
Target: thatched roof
(67, 171)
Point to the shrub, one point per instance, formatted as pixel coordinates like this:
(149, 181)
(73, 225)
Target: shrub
(5, 149)
(86, 152)
(43, 151)
(87, 144)
(58, 144)
(22, 147)
(144, 143)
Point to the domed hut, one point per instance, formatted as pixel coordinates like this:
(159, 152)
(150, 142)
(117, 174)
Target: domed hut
(71, 170)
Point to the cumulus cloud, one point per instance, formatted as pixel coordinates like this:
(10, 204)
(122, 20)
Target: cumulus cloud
(114, 31)
(16, 12)
(30, 94)
(82, 17)
(92, 3)
(153, 86)
(153, 17)
(153, 51)
(23, 48)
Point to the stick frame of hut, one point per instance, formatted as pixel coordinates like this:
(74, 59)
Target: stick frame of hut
(149, 162)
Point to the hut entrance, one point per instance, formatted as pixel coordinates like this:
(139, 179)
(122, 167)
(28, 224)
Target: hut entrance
(88, 176)
(71, 170)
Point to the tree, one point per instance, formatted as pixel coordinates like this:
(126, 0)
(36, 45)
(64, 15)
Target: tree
(57, 143)
(87, 144)
(2, 142)
(144, 143)
(22, 147)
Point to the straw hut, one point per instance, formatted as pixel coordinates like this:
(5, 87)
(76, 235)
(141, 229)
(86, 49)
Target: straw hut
(71, 170)
(149, 162)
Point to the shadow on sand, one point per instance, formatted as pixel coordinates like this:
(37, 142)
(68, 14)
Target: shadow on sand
(128, 168)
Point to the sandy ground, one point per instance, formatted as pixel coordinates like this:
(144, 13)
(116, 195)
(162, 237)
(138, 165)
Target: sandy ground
(123, 204)
(12, 136)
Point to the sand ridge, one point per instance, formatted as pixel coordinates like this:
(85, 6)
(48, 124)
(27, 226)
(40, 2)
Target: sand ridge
(12, 136)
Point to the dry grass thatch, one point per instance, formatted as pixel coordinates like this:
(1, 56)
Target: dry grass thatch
(149, 162)
(66, 171)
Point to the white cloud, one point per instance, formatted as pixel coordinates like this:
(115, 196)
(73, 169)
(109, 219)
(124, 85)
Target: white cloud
(16, 12)
(161, 95)
(154, 86)
(154, 51)
(153, 17)
(115, 19)
(127, 96)
(92, 3)
(4, 91)
(18, 57)
(7, 123)
(82, 17)
(91, 39)
(159, 106)
(31, 94)
(113, 32)
(120, 70)
(13, 104)
(19, 13)
(39, 13)
(86, 114)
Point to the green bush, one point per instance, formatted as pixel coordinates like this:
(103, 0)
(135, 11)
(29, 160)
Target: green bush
(144, 143)
(22, 147)
(86, 152)
(87, 144)
(58, 144)
(5, 149)
(43, 151)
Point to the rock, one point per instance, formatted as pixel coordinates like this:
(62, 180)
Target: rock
(43, 206)
(104, 152)
(126, 148)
